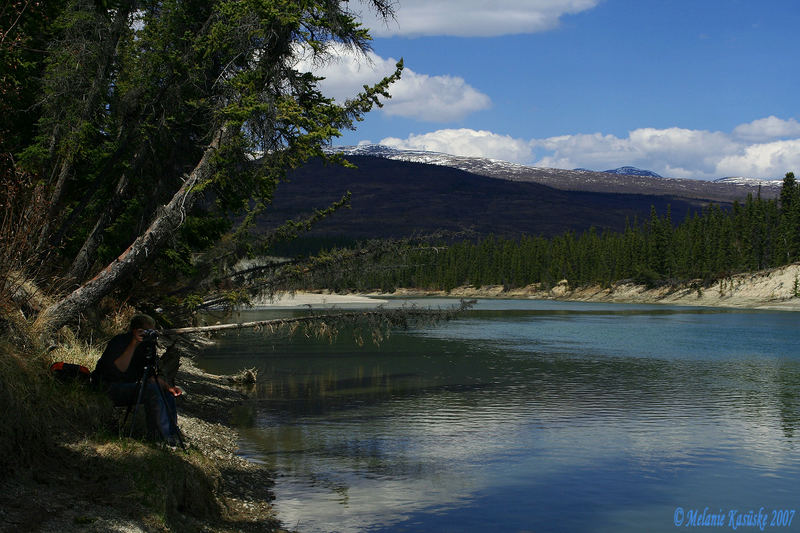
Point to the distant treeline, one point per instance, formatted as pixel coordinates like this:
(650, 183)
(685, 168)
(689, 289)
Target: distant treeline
(706, 245)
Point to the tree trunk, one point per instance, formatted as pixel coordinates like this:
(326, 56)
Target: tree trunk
(86, 255)
(165, 223)
(96, 92)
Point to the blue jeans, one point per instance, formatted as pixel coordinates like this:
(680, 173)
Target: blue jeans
(162, 418)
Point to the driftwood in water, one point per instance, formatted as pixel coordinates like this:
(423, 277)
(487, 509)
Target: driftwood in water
(400, 317)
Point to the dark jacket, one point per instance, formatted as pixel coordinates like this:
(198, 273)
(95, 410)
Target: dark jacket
(107, 372)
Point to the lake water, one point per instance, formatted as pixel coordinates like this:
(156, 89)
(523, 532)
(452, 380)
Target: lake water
(531, 416)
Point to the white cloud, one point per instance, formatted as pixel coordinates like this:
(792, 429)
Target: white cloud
(674, 152)
(466, 142)
(768, 129)
(601, 150)
(434, 98)
(418, 96)
(473, 18)
(763, 160)
(671, 152)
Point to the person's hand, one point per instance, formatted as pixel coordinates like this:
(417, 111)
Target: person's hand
(176, 391)
(138, 335)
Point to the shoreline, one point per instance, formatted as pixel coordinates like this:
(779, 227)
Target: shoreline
(243, 487)
(775, 289)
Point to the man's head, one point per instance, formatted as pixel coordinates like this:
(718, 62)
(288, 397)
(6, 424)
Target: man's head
(142, 322)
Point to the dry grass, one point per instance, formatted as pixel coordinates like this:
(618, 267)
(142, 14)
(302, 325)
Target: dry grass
(58, 441)
(24, 210)
(70, 349)
(117, 317)
(39, 409)
(68, 474)
(61, 461)
(26, 399)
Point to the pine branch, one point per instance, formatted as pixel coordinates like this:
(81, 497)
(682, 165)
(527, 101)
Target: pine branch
(293, 272)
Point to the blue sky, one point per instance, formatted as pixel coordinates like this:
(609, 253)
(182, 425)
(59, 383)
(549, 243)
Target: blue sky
(688, 88)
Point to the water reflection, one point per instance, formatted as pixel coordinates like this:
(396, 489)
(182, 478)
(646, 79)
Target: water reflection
(584, 420)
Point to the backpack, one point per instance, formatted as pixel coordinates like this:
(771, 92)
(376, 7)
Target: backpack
(68, 372)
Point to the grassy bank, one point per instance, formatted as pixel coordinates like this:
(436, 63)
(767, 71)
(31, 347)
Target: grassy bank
(64, 467)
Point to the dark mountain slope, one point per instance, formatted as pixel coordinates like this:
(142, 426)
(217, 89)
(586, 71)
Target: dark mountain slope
(398, 198)
(577, 180)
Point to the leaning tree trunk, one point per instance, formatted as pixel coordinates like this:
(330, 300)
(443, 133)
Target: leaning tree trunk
(165, 223)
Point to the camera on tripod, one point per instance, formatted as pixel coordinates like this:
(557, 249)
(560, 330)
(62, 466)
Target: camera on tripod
(149, 342)
(149, 335)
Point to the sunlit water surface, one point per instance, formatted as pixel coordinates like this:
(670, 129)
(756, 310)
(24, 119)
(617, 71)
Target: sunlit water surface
(528, 416)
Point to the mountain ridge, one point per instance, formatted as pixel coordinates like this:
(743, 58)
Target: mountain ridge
(394, 197)
(722, 190)
(626, 170)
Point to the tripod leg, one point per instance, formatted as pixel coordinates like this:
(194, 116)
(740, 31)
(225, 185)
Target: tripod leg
(125, 419)
(138, 401)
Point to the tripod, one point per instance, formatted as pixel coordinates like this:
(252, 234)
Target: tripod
(151, 371)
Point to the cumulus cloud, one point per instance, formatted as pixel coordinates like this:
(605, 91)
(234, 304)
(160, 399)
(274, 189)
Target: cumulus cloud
(473, 18)
(466, 142)
(674, 152)
(768, 129)
(423, 97)
(772, 159)
(671, 152)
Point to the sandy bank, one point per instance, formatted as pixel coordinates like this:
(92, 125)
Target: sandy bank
(768, 289)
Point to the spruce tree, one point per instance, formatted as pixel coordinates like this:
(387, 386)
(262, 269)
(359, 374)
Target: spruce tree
(158, 123)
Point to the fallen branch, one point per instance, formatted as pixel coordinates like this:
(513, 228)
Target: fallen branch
(394, 317)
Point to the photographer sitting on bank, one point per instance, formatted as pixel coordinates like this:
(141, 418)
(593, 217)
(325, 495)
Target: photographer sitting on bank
(122, 366)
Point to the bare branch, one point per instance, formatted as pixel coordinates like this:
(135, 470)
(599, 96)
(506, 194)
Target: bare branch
(328, 324)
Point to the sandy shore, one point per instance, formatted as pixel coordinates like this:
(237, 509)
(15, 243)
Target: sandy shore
(769, 289)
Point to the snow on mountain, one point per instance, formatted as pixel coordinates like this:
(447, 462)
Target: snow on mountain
(753, 182)
(626, 171)
(621, 180)
(468, 163)
(633, 171)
